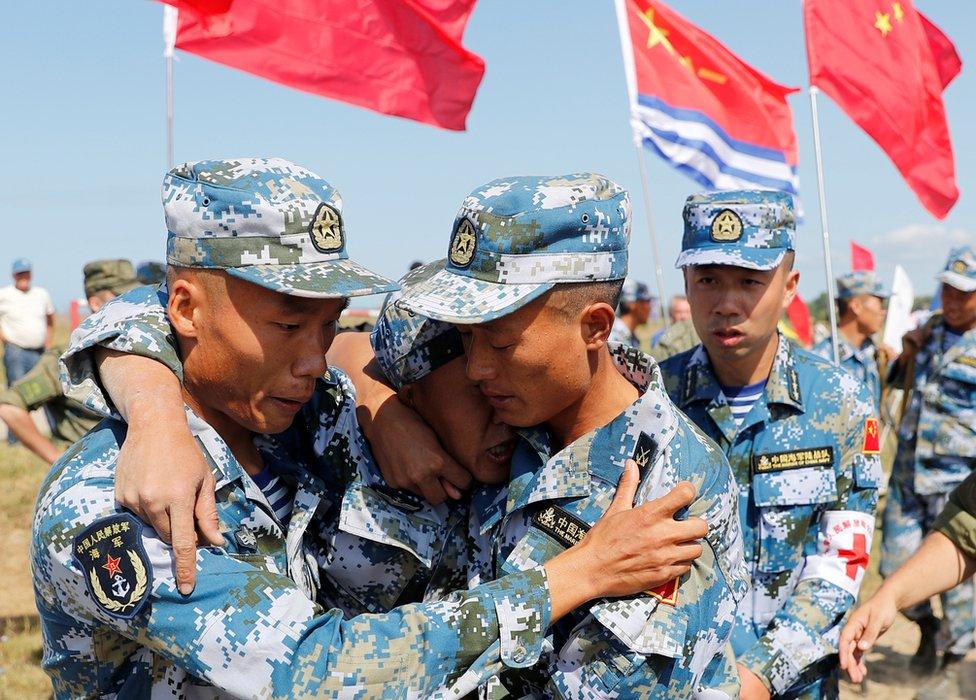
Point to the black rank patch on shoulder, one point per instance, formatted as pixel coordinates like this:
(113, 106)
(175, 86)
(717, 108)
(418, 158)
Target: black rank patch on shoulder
(644, 453)
(793, 459)
(115, 565)
(561, 525)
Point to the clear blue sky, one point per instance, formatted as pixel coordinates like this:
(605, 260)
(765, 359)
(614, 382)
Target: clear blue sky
(83, 138)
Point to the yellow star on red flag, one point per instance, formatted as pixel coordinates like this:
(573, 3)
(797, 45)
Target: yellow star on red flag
(882, 22)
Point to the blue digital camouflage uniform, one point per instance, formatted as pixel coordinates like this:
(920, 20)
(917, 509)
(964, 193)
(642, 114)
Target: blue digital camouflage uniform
(862, 362)
(256, 625)
(672, 642)
(513, 240)
(936, 452)
(804, 459)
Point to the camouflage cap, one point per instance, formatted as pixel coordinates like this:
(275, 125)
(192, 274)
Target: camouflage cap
(515, 238)
(742, 228)
(409, 346)
(266, 221)
(854, 284)
(634, 291)
(116, 276)
(960, 270)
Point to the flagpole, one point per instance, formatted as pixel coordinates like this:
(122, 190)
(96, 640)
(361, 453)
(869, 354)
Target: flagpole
(627, 52)
(831, 305)
(170, 15)
(658, 270)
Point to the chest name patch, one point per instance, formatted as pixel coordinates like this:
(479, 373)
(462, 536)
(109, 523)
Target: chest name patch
(115, 565)
(561, 525)
(793, 459)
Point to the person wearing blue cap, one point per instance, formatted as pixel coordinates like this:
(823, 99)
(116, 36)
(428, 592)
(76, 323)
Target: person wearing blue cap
(257, 276)
(534, 270)
(936, 452)
(26, 322)
(860, 316)
(633, 310)
(799, 432)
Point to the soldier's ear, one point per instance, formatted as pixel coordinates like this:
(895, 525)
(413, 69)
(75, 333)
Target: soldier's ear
(792, 281)
(406, 394)
(596, 321)
(185, 296)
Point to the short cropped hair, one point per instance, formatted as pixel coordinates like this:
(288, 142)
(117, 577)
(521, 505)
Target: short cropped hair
(575, 296)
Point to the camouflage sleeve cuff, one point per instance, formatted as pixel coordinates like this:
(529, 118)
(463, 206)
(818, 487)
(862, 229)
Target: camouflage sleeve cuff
(524, 611)
(766, 666)
(959, 525)
(13, 398)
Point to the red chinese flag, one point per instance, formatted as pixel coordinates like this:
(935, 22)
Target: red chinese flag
(799, 316)
(399, 57)
(861, 258)
(876, 61)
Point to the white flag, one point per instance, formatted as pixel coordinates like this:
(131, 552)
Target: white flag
(170, 15)
(900, 304)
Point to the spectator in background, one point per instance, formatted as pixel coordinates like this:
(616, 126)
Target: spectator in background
(633, 310)
(41, 387)
(678, 310)
(26, 322)
(861, 315)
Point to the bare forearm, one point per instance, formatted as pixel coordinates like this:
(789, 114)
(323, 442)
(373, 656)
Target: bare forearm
(144, 391)
(22, 426)
(937, 566)
(49, 333)
(353, 354)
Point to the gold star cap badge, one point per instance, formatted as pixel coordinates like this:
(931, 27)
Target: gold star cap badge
(726, 226)
(463, 244)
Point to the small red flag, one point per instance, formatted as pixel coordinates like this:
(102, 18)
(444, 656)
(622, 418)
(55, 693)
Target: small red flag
(861, 258)
(399, 57)
(799, 316)
(877, 62)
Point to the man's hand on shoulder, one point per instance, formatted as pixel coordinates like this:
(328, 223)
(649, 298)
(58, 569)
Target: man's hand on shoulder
(163, 477)
(630, 549)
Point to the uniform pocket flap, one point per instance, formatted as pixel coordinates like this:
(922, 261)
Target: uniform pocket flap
(645, 625)
(795, 486)
(369, 514)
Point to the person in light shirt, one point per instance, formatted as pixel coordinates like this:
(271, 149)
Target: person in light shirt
(26, 322)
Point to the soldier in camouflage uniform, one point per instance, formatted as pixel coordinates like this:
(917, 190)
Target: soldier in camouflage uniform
(104, 581)
(800, 435)
(861, 314)
(633, 310)
(41, 387)
(936, 449)
(113, 619)
(541, 259)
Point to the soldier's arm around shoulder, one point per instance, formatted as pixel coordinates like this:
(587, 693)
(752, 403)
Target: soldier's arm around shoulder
(246, 628)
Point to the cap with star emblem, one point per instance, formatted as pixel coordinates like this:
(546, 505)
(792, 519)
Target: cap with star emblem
(742, 228)
(266, 221)
(860, 282)
(515, 238)
(960, 269)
